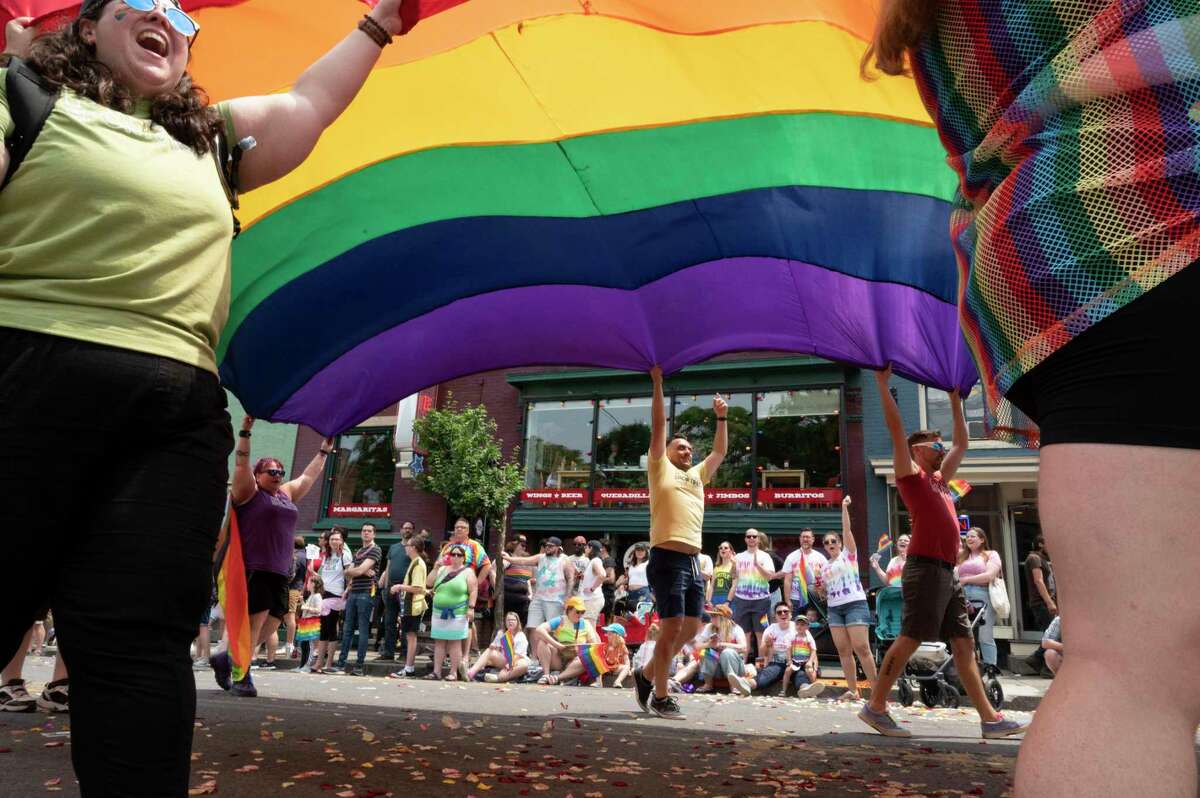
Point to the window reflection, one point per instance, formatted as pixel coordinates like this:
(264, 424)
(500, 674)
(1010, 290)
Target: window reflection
(558, 445)
(799, 439)
(622, 442)
(363, 471)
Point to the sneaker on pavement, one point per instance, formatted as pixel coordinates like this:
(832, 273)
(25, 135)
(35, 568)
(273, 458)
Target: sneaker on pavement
(269, 665)
(740, 684)
(491, 678)
(54, 697)
(999, 729)
(245, 688)
(200, 663)
(222, 670)
(810, 690)
(15, 698)
(643, 689)
(882, 722)
(463, 671)
(386, 658)
(667, 708)
(351, 671)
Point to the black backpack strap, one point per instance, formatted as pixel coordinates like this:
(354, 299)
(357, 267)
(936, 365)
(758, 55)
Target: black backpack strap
(30, 102)
(227, 161)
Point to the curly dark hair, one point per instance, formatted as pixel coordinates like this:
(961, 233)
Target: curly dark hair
(63, 58)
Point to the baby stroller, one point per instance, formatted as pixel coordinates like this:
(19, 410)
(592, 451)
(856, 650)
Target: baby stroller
(930, 671)
(889, 603)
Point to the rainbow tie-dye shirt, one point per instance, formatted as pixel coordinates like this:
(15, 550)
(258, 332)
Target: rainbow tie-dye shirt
(751, 584)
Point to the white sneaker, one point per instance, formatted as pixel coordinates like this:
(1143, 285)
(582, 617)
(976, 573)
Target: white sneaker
(56, 697)
(200, 663)
(810, 690)
(491, 678)
(15, 698)
(740, 684)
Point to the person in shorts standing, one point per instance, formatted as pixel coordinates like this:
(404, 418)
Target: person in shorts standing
(934, 606)
(552, 579)
(676, 521)
(752, 588)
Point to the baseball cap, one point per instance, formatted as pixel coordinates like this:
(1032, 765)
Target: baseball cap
(551, 541)
(580, 540)
(575, 603)
(802, 618)
(614, 628)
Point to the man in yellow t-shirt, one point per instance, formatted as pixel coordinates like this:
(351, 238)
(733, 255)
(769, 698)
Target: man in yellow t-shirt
(676, 519)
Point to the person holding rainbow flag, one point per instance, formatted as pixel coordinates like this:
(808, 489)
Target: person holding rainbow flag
(508, 654)
(593, 660)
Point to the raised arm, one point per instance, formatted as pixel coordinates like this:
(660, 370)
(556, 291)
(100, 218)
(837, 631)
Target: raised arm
(532, 559)
(721, 441)
(287, 126)
(301, 485)
(958, 447)
(901, 457)
(875, 565)
(243, 486)
(848, 542)
(658, 416)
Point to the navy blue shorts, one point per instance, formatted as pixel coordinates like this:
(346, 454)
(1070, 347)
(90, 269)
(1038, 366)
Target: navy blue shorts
(676, 582)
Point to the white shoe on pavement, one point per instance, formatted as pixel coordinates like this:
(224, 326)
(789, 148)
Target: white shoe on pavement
(740, 684)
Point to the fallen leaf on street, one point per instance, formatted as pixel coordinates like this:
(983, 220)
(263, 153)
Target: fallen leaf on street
(205, 788)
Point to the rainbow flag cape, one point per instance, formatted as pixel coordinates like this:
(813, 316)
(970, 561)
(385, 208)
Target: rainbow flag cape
(958, 488)
(592, 657)
(231, 593)
(508, 648)
(308, 629)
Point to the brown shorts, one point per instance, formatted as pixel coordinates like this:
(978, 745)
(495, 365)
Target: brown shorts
(934, 606)
(295, 599)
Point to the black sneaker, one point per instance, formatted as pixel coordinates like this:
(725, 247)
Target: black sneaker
(222, 669)
(54, 697)
(351, 671)
(666, 708)
(643, 688)
(386, 658)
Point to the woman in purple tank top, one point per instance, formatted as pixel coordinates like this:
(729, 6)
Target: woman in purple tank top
(266, 510)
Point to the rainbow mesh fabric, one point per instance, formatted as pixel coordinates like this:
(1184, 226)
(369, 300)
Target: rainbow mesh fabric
(1074, 126)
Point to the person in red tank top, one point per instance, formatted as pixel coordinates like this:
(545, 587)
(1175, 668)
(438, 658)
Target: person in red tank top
(934, 606)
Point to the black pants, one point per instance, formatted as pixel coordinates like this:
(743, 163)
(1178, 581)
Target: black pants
(113, 475)
(391, 621)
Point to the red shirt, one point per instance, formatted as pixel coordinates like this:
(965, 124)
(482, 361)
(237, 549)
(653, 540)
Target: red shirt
(934, 520)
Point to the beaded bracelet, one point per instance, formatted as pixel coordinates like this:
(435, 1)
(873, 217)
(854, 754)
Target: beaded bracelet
(375, 31)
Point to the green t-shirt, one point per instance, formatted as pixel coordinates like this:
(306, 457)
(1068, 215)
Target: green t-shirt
(113, 232)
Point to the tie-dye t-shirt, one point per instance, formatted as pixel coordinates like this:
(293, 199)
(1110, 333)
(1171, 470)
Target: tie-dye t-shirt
(803, 646)
(841, 580)
(814, 561)
(751, 584)
(548, 583)
(895, 571)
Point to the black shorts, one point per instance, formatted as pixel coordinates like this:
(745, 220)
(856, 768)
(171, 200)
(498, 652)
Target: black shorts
(410, 624)
(1118, 380)
(267, 591)
(934, 605)
(676, 582)
(329, 627)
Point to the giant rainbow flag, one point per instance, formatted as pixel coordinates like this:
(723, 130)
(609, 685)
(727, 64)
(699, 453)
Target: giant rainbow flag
(616, 183)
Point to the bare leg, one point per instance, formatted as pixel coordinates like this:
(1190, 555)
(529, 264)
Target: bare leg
(487, 659)
(674, 633)
(203, 642)
(289, 623)
(60, 669)
(861, 641)
(439, 653)
(968, 674)
(411, 656)
(516, 672)
(1053, 661)
(39, 638)
(456, 656)
(1136, 505)
(845, 650)
(13, 669)
(893, 666)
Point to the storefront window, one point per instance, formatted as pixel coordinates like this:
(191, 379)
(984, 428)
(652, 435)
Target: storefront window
(695, 420)
(622, 444)
(799, 440)
(938, 413)
(361, 474)
(558, 445)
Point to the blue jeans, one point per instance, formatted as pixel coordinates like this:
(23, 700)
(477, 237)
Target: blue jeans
(773, 672)
(987, 639)
(730, 662)
(358, 616)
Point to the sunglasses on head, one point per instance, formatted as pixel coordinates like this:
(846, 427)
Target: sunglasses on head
(274, 472)
(175, 16)
(937, 446)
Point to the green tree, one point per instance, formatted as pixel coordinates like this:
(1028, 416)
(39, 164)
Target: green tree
(465, 466)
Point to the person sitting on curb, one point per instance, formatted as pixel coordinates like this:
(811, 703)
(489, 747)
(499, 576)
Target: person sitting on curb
(780, 649)
(721, 647)
(508, 653)
(1052, 643)
(803, 667)
(597, 659)
(555, 641)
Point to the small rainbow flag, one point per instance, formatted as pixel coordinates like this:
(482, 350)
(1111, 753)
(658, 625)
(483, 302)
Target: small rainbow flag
(592, 658)
(231, 592)
(884, 541)
(802, 574)
(308, 629)
(958, 488)
(764, 621)
(508, 648)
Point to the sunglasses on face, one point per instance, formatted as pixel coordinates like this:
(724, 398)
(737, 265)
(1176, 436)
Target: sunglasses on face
(782, 613)
(457, 554)
(937, 446)
(274, 472)
(175, 16)
(831, 543)
(751, 537)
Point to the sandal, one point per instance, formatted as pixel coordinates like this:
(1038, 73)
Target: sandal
(705, 689)
(544, 680)
(552, 680)
(433, 677)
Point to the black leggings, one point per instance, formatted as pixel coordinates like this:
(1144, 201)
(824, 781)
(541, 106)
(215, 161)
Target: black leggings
(1124, 380)
(118, 461)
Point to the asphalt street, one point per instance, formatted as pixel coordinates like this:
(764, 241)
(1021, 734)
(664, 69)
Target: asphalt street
(363, 736)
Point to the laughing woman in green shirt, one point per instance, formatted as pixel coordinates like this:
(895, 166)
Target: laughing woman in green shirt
(115, 237)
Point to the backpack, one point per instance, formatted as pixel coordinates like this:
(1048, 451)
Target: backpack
(30, 101)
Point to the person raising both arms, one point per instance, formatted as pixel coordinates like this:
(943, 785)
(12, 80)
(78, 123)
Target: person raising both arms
(934, 606)
(676, 519)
